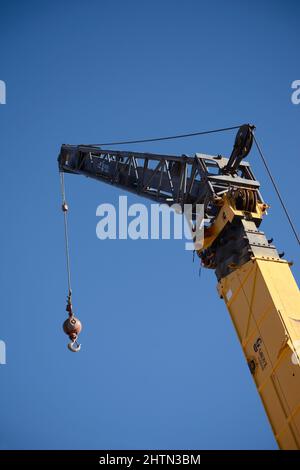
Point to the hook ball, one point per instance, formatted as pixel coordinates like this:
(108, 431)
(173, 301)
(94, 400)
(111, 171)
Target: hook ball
(72, 327)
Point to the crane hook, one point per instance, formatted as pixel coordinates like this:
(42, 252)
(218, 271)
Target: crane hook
(75, 348)
(72, 327)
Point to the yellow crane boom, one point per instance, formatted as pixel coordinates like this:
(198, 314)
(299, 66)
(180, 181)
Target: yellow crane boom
(263, 300)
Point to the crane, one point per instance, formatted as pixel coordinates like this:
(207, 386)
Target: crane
(254, 280)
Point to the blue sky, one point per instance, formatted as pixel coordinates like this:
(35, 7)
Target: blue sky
(161, 366)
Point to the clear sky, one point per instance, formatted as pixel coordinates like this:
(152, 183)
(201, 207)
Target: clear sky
(160, 366)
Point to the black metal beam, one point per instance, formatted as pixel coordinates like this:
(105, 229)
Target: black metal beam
(166, 179)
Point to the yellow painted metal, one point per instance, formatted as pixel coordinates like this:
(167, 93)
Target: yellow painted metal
(225, 216)
(264, 303)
